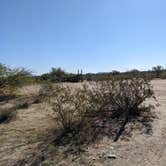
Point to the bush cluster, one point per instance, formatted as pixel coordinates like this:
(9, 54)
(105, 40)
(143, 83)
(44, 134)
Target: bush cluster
(10, 79)
(73, 107)
(111, 95)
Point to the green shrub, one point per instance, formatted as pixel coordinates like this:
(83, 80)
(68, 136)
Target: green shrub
(10, 79)
(158, 70)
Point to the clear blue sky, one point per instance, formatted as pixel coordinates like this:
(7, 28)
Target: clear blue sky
(95, 35)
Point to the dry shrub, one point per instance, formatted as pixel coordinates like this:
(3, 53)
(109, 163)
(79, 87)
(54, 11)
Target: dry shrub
(111, 95)
(6, 114)
(7, 92)
(70, 106)
(29, 90)
(123, 100)
(76, 108)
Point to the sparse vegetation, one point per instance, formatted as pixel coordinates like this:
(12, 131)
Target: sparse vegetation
(158, 70)
(10, 79)
(84, 113)
(76, 108)
(70, 106)
(6, 114)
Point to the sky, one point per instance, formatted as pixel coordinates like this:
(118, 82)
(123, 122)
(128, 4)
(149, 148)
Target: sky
(92, 35)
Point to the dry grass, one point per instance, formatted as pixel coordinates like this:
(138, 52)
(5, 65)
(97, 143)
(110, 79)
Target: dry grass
(29, 90)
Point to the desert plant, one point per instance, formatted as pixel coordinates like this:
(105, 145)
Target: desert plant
(158, 70)
(10, 79)
(57, 74)
(75, 108)
(6, 114)
(115, 72)
(6, 90)
(70, 106)
(111, 94)
(125, 99)
(3, 70)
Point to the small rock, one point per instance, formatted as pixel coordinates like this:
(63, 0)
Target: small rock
(111, 156)
(94, 158)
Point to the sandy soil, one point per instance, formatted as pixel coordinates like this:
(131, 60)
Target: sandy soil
(23, 139)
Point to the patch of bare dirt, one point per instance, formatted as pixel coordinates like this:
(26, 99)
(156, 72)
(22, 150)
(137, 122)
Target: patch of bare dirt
(23, 138)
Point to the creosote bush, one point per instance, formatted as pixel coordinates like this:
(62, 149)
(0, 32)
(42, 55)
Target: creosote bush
(70, 106)
(111, 95)
(75, 107)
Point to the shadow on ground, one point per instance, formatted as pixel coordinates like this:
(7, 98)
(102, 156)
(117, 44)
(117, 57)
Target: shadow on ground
(101, 124)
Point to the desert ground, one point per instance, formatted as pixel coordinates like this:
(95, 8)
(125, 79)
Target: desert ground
(26, 140)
